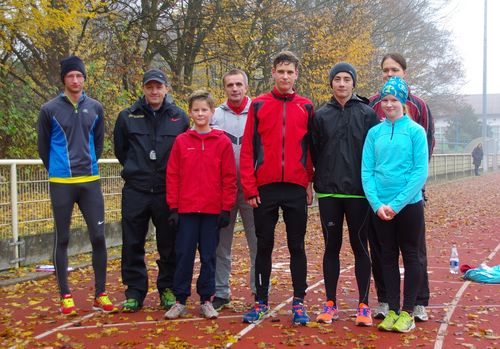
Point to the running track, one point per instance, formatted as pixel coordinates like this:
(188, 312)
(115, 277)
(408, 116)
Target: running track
(463, 314)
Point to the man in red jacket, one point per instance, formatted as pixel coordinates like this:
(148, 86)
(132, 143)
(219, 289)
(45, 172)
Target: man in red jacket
(276, 171)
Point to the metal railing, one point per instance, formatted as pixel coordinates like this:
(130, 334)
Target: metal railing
(25, 207)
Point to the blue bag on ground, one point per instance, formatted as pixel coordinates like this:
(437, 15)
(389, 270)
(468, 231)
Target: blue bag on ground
(484, 274)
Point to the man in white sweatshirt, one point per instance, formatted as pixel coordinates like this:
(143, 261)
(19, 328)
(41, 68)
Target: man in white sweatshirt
(231, 116)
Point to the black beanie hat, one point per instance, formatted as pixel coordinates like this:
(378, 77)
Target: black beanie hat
(72, 63)
(342, 67)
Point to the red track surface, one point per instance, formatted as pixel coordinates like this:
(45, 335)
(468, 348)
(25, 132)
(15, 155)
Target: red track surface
(462, 314)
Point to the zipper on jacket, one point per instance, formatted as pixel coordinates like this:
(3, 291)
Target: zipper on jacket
(392, 131)
(283, 144)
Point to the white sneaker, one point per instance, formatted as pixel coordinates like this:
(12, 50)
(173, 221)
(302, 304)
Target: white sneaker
(381, 311)
(420, 314)
(207, 310)
(175, 311)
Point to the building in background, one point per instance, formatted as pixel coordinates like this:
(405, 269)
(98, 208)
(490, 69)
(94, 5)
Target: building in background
(442, 121)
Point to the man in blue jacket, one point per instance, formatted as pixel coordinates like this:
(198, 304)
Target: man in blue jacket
(70, 141)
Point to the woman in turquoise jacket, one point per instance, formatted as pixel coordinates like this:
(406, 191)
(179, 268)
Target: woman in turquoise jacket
(394, 170)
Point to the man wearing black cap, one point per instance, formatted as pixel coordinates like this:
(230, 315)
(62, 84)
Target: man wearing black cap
(70, 141)
(339, 129)
(143, 137)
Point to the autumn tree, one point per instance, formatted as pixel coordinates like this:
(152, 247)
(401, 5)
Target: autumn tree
(196, 41)
(334, 32)
(35, 36)
(415, 29)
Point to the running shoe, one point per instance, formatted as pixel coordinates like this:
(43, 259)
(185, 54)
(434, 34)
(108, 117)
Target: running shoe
(207, 310)
(329, 313)
(68, 307)
(381, 311)
(175, 311)
(364, 315)
(258, 312)
(405, 323)
(420, 313)
(104, 304)
(389, 321)
(167, 299)
(219, 302)
(131, 305)
(299, 312)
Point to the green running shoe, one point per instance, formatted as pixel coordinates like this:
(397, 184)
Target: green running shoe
(405, 323)
(131, 305)
(167, 299)
(389, 321)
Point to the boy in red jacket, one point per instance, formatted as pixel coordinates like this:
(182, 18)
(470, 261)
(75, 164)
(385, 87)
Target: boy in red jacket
(201, 182)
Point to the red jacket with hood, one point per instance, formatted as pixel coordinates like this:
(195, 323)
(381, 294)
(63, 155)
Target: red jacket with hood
(201, 173)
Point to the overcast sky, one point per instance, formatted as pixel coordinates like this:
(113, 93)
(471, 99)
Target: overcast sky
(465, 19)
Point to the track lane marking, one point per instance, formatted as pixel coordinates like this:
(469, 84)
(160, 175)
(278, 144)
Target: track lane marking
(275, 310)
(442, 331)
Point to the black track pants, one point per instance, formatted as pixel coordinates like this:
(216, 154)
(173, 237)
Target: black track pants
(138, 208)
(292, 200)
(89, 198)
(402, 233)
(357, 213)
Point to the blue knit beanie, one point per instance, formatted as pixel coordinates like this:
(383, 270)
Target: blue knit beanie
(397, 87)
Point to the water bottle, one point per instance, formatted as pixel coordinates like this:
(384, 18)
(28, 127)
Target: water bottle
(454, 262)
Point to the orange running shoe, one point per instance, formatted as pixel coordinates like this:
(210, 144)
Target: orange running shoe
(103, 303)
(68, 305)
(329, 313)
(364, 315)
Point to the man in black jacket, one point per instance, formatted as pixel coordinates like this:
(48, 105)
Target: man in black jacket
(339, 129)
(143, 136)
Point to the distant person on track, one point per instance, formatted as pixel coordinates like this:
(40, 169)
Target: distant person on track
(276, 172)
(144, 135)
(201, 182)
(231, 117)
(339, 130)
(70, 141)
(394, 64)
(477, 157)
(394, 170)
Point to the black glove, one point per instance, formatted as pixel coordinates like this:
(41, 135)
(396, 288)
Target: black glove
(223, 219)
(173, 219)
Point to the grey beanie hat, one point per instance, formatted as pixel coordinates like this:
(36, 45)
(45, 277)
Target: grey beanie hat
(342, 67)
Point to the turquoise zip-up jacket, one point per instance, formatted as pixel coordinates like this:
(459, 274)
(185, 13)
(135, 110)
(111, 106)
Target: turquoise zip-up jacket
(394, 164)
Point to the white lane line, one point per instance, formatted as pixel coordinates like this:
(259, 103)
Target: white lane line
(59, 328)
(64, 326)
(152, 322)
(275, 310)
(453, 305)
